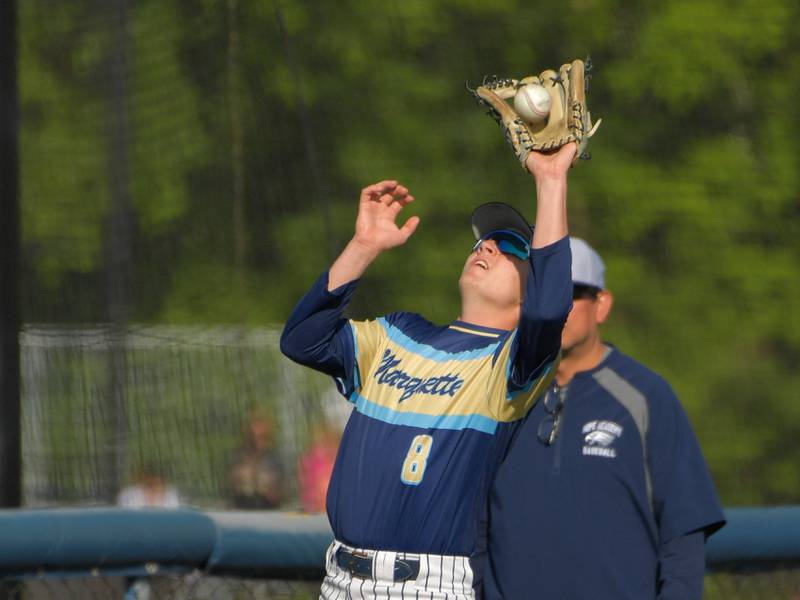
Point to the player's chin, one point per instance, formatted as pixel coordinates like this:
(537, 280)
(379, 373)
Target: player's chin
(469, 274)
(570, 342)
(468, 285)
(473, 277)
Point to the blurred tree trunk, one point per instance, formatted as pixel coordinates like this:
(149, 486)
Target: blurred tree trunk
(237, 143)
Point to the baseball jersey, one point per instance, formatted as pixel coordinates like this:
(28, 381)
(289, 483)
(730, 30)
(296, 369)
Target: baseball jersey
(435, 406)
(586, 516)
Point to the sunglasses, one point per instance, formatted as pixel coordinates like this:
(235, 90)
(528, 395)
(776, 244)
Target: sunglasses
(508, 242)
(548, 429)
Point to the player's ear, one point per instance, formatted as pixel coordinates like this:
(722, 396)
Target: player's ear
(602, 305)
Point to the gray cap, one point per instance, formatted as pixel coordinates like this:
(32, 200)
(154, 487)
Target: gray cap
(587, 266)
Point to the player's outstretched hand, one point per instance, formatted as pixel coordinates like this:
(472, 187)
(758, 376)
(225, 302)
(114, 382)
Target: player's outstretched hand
(376, 225)
(376, 231)
(544, 165)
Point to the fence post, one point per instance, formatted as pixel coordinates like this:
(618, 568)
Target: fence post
(10, 451)
(10, 485)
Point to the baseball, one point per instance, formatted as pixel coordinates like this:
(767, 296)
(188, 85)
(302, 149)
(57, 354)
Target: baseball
(532, 103)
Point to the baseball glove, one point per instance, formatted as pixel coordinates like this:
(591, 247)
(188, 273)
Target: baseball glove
(568, 121)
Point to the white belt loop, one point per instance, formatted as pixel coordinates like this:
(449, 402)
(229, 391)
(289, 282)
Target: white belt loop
(383, 567)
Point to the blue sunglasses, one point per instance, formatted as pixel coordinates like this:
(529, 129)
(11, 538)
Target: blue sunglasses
(509, 242)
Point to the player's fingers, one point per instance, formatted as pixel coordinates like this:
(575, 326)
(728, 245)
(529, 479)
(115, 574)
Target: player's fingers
(386, 199)
(400, 191)
(394, 195)
(400, 203)
(409, 227)
(374, 191)
(382, 186)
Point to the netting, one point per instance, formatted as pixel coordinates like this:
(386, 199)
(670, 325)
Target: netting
(190, 397)
(196, 163)
(188, 167)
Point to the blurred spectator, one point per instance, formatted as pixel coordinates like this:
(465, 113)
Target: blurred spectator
(315, 466)
(149, 489)
(257, 475)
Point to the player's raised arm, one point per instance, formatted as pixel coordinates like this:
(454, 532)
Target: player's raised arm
(548, 295)
(315, 334)
(376, 230)
(550, 171)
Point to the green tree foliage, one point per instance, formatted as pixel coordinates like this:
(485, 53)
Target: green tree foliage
(692, 195)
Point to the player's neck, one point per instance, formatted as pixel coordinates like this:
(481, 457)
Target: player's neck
(580, 358)
(489, 316)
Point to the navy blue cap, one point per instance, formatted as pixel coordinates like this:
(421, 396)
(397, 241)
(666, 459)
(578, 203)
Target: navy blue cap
(497, 216)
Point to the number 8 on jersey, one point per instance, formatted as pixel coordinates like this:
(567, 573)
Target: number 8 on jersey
(416, 460)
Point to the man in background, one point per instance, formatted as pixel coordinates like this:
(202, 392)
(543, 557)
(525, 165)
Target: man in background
(604, 493)
(257, 476)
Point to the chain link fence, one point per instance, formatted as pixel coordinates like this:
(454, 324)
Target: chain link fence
(194, 586)
(779, 582)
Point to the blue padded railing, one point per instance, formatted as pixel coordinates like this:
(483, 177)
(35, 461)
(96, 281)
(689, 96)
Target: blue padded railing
(117, 541)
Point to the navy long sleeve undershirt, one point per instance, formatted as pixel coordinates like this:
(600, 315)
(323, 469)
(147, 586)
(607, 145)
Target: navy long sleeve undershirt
(682, 567)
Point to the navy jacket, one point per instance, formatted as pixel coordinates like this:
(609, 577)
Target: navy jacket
(593, 515)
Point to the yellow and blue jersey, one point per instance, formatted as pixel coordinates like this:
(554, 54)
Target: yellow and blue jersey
(435, 408)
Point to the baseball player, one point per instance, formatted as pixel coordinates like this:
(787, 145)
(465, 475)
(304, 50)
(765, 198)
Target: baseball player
(435, 406)
(604, 493)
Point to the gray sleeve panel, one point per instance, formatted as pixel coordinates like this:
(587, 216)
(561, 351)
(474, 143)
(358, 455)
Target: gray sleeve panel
(636, 404)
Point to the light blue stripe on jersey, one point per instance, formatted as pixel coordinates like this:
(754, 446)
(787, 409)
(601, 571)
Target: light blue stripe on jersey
(423, 421)
(431, 353)
(356, 377)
